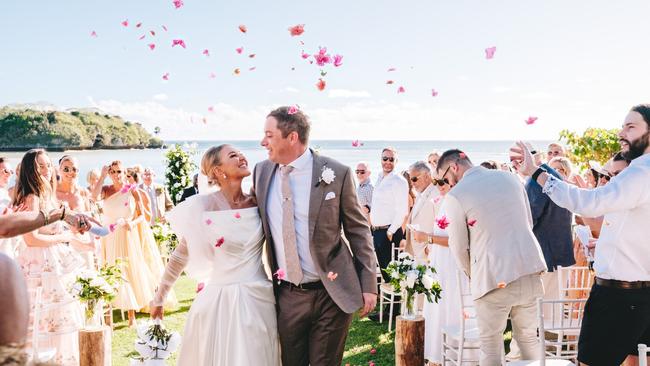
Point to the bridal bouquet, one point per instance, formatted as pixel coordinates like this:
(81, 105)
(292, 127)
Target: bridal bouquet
(165, 237)
(408, 277)
(155, 343)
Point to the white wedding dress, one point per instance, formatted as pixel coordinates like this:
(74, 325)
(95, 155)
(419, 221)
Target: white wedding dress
(232, 320)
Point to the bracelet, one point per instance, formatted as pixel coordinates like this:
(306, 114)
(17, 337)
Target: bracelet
(46, 218)
(539, 171)
(430, 239)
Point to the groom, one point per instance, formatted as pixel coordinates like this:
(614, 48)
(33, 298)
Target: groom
(320, 278)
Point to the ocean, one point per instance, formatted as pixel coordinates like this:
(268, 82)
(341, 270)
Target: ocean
(342, 150)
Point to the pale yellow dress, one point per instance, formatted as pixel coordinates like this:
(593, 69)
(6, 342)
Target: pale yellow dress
(124, 244)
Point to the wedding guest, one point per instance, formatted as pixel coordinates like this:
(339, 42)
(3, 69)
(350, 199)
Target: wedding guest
(616, 314)
(122, 212)
(487, 215)
(411, 200)
(92, 178)
(133, 179)
(562, 166)
(489, 164)
(447, 311)
(5, 174)
(554, 150)
(191, 191)
(432, 159)
(47, 261)
(14, 317)
(423, 213)
(389, 207)
(364, 189)
(12, 190)
(158, 196)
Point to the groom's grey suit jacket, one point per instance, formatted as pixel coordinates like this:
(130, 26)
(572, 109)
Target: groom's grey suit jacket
(352, 258)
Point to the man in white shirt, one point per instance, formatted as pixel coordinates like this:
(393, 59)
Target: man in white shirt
(388, 209)
(617, 314)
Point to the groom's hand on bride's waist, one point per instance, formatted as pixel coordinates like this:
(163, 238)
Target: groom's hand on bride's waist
(369, 303)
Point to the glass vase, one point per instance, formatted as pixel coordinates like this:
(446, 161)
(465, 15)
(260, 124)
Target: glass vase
(92, 314)
(408, 310)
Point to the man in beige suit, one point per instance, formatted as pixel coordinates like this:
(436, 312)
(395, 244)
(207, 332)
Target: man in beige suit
(320, 279)
(423, 215)
(159, 199)
(491, 237)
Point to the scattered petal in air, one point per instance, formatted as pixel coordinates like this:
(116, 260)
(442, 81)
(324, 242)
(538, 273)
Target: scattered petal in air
(152, 33)
(293, 110)
(356, 143)
(501, 285)
(208, 222)
(204, 120)
(279, 274)
(401, 90)
(471, 222)
(332, 276)
(252, 55)
(138, 25)
(125, 23)
(199, 287)
(219, 242)
(338, 60)
(237, 71)
(141, 37)
(178, 42)
(489, 52)
(304, 55)
(213, 75)
(531, 120)
(239, 50)
(390, 82)
(178, 3)
(166, 76)
(392, 69)
(321, 84)
(442, 222)
(210, 109)
(152, 46)
(322, 57)
(237, 215)
(252, 68)
(434, 93)
(112, 227)
(206, 52)
(297, 30)
(164, 28)
(93, 34)
(243, 29)
(462, 155)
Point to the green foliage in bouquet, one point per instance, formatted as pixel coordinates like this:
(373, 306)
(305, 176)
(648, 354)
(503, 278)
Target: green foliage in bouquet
(596, 144)
(179, 169)
(411, 278)
(165, 237)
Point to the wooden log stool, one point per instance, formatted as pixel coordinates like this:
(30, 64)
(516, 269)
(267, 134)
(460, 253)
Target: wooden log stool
(409, 342)
(95, 346)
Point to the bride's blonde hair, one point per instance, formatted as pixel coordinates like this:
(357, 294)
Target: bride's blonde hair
(209, 161)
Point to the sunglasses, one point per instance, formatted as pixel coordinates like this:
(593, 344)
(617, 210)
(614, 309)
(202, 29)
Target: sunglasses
(441, 182)
(414, 179)
(116, 172)
(360, 171)
(68, 170)
(388, 158)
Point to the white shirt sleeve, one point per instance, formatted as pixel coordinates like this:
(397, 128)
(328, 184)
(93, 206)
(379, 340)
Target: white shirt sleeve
(401, 191)
(623, 192)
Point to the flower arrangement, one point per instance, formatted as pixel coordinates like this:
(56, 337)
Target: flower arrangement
(179, 168)
(164, 236)
(92, 287)
(154, 343)
(410, 278)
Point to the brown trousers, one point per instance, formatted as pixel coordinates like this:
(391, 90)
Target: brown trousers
(312, 328)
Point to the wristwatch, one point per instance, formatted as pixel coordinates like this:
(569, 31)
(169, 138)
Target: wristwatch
(539, 171)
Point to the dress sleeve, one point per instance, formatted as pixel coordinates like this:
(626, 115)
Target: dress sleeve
(177, 262)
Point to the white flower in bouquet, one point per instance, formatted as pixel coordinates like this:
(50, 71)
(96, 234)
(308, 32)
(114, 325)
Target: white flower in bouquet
(394, 274)
(411, 277)
(143, 349)
(427, 281)
(98, 282)
(403, 255)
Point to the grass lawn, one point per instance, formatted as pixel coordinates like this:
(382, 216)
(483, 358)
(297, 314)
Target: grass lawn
(364, 334)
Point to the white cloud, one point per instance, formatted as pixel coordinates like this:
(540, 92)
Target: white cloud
(344, 93)
(502, 89)
(291, 89)
(161, 97)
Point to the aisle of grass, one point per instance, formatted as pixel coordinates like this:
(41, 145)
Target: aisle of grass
(364, 334)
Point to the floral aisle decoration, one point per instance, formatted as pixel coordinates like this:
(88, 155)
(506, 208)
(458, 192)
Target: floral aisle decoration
(179, 169)
(165, 237)
(154, 344)
(93, 288)
(411, 278)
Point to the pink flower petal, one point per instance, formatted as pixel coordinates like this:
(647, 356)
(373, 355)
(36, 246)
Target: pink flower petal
(373, 351)
(211, 109)
(237, 71)
(401, 90)
(243, 29)
(208, 222)
(356, 143)
(304, 55)
(152, 46)
(332, 276)
(206, 52)
(322, 57)
(292, 110)
(297, 30)
(239, 50)
(178, 3)
(501, 285)
(199, 287)
(220, 242)
(390, 82)
(321, 84)
(152, 33)
(178, 42)
(204, 120)
(213, 75)
(138, 25)
(125, 23)
(471, 222)
(392, 69)
(442, 222)
(252, 68)
(237, 215)
(164, 28)
(338, 60)
(434, 93)
(462, 155)
(112, 227)
(93, 34)
(280, 274)
(126, 203)
(489, 52)
(530, 120)
(141, 37)
(165, 76)
(252, 55)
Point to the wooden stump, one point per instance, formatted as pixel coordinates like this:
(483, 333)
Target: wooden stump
(95, 346)
(409, 342)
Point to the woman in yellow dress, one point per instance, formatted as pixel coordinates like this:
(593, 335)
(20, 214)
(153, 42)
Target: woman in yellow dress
(122, 214)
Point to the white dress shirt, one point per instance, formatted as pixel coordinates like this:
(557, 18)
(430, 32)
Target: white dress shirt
(623, 249)
(300, 182)
(390, 203)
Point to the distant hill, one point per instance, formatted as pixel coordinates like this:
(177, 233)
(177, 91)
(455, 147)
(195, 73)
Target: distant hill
(23, 128)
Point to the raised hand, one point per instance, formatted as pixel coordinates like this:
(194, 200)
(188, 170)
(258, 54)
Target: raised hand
(525, 157)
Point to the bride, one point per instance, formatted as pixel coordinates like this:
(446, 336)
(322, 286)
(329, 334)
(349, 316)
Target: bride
(232, 320)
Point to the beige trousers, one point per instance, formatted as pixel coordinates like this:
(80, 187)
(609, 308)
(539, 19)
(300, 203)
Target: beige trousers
(517, 299)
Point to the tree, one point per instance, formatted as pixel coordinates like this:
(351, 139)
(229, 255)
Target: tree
(597, 144)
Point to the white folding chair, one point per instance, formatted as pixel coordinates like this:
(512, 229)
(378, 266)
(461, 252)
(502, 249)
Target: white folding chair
(643, 355)
(387, 296)
(35, 354)
(564, 349)
(574, 281)
(458, 339)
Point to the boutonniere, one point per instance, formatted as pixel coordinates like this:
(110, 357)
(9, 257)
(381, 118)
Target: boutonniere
(327, 175)
(159, 190)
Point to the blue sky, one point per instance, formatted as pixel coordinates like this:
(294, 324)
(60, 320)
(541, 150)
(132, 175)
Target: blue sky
(572, 64)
